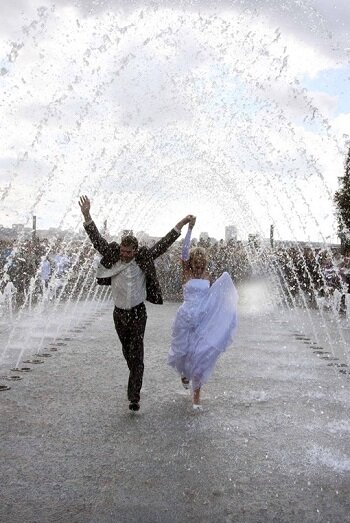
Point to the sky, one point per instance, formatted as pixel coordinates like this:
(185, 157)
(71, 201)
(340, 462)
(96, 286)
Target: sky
(235, 111)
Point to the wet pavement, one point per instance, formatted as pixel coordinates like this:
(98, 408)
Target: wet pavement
(271, 444)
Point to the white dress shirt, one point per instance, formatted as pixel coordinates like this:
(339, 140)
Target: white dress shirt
(128, 283)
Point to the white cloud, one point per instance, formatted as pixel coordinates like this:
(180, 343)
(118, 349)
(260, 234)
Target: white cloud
(341, 124)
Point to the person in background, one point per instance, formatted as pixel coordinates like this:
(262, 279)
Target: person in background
(45, 272)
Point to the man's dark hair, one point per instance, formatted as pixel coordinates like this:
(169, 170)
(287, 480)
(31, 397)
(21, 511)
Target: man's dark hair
(130, 241)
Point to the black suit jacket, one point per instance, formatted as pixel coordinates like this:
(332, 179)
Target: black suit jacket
(144, 258)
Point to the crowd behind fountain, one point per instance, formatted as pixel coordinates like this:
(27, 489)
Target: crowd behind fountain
(38, 270)
(316, 278)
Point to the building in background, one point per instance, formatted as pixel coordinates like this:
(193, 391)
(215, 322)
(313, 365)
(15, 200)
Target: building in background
(230, 233)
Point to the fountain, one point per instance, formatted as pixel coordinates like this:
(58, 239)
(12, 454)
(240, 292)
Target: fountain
(155, 113)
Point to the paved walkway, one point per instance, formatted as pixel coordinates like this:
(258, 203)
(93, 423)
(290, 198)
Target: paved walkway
(271, 445)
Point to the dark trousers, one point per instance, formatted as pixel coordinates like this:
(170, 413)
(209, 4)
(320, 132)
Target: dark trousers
(130, 325)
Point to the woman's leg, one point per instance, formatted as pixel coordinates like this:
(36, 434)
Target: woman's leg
(196, 396)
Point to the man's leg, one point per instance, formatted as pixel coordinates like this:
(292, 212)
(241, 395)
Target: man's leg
(137, 331)
(130, 326)
(121, 319)
(121, 323)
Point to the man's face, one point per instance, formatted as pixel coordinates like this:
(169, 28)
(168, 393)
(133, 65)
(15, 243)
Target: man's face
(127, 253)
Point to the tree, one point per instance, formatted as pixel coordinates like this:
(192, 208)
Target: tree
(342, 202)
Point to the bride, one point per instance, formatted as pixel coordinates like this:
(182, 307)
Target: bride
(206, 321)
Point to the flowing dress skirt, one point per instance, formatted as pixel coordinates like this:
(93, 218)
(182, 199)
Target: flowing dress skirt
(204, 327)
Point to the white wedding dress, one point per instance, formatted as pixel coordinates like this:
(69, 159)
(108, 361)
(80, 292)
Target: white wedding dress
(203, 328)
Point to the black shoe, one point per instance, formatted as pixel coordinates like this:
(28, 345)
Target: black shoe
(134, 405)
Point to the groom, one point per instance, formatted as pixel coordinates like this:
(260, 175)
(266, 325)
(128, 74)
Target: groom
(131, 272)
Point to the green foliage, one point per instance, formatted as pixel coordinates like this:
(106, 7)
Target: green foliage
(342, 202)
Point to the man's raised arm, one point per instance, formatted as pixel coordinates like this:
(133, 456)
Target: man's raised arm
(100, 244)
(85, 206)
(164, 243)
